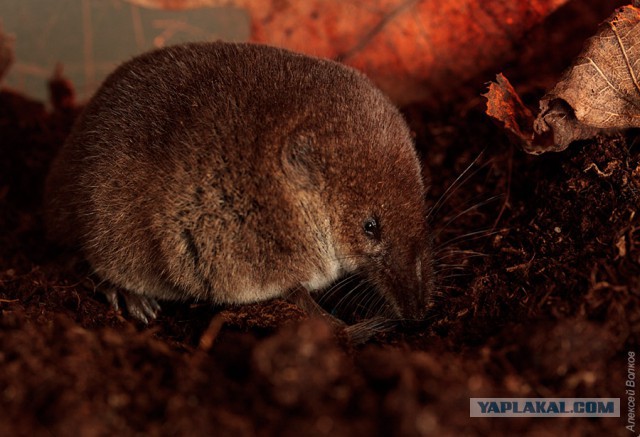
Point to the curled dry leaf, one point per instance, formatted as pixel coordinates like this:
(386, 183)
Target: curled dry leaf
(601, 91)
(6, 52)
(61, 92)
(424, 51)
(506, 107)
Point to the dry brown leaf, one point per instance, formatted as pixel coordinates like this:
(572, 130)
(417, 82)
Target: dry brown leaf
(415, 50)
(505, 106)
(6, 53)
(601, 91)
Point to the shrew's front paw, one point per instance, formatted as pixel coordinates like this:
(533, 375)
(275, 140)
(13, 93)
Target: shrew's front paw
(143, 308)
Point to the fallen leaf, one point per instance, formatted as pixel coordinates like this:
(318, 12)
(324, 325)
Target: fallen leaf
(61, 91)
(424, 51)
(600, 92)
(6, 53)
(505, 106)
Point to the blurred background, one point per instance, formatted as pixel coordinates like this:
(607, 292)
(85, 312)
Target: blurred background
(436, 54)
(90, 37)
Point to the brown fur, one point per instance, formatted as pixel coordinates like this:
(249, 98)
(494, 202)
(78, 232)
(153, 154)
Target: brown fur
(236, 172)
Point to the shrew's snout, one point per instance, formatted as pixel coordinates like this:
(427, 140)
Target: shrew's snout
(410, 289)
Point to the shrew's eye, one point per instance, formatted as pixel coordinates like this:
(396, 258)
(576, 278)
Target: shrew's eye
(371, 228)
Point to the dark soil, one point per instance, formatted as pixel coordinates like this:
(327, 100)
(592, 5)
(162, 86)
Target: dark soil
(539, 296)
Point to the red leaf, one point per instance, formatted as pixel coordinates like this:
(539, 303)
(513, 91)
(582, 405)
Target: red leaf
(415, 50)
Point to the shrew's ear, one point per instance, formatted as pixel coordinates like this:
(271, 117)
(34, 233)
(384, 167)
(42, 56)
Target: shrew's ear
(301, 162)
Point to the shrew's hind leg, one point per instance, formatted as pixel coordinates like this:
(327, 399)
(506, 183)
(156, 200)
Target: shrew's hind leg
(143, 308)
